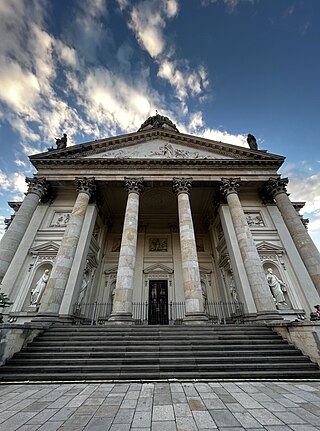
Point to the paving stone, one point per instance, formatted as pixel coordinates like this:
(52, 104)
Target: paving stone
(312, 408)
(182, 410)
(186, 424)
(113, 401)
(246, 420)
(307, 416)
(42, 417)
(178, 397)
(144, 404)
(98, 424)
(60, 402)
(120, 389)
(278, 428)
(212, 403)
(163, 413)
(51, 426)
(107, 411)
(236, 407)
(164, 426)
(77, 401)
(93, 401)
(202, 387)
(124, 416)
(189, 390)
(204, 420)
(273, 407)
(63, 414)
(246, 400)
(29, 427)
(16, 421)
(289, 418)
(196, 404)
(265, 417)
(135, 387)
(76, 422)
(305, 428)
(121, 427)
(129, 404)
(86, 410)
(141, 420)
(224, 418)
(176, 387)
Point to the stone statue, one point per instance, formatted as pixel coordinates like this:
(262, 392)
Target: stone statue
(61, 142)
(252, 142)
(39, 288)
(204, 297)
(233, 291)
(315, 315)
(277, 287)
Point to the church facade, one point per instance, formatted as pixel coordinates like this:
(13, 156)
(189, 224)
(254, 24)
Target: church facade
(157, 218)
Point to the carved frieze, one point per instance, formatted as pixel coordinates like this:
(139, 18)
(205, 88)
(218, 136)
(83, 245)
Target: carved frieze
(254, 219)
(60, 219)
(158, 244)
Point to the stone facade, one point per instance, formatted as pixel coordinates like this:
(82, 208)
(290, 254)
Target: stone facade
(156, 216)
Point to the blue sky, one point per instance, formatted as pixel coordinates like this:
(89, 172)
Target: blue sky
(217, 68)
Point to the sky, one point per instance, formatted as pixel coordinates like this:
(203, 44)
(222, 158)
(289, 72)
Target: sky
(217, 68)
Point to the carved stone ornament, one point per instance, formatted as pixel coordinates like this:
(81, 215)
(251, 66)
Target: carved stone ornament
(229, 185)
(276, 186)
(85, 185)
(37, 185)
(254, 219)
(134, 185)
(182, 185)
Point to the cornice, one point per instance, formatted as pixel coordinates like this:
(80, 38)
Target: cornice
(160, 163)
(114, 143)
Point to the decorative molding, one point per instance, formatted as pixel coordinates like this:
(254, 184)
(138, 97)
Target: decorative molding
(85, 185)
(134, 185)
(157, 244)
(37, 185)
(60, 219)
(48, 248)
(254, 219)
(158, 268)
(276, 186)
(229, 185)
(182, 185)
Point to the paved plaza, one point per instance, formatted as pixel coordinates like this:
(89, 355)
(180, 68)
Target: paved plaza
(161, 406)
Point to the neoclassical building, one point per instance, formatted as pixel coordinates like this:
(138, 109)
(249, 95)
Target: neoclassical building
(156, 218)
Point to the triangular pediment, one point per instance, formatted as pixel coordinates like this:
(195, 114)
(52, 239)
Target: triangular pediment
(49, 247)
(158, 268)
(154, 145)
(266, 246)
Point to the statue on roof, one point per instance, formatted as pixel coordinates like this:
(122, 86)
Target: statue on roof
(252, 142)
(158, 121)
(61, 143)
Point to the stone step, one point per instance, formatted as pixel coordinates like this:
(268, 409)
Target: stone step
(160, 375)
(111, 353)
(173, 360)
(142, 368)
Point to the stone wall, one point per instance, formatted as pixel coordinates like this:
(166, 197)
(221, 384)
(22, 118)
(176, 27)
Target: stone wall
(16, 336)
(303, 335)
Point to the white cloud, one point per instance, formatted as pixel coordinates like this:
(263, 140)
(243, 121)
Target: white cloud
(14, 182)
(231, 4)
(20, 163)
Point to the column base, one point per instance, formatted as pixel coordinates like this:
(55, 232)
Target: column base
(196, 318)
(266, 316)
(46, 317)
(121, 318)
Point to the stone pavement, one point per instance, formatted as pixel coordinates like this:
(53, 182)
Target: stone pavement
(161, 406)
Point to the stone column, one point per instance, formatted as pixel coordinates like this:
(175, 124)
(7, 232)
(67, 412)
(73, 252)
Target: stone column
(262, 296)
(190, 266)
(122, 302)
(53, 294)
(13, 236)
(309, 253)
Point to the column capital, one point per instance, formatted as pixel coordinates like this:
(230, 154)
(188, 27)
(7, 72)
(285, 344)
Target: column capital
(85, 185)
(37, 185)
(229, 185)
(182, 185)
(276, 185)
(134, 185)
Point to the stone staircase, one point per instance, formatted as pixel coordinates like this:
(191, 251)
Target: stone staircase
(69, 353)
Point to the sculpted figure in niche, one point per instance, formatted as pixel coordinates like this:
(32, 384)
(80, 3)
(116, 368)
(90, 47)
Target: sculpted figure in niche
(277, 287)
(36, 293)
(233, 292)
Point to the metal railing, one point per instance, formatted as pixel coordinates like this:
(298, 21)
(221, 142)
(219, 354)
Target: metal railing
(173, 313)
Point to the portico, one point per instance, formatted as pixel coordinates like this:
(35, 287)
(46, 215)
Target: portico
(158, 217)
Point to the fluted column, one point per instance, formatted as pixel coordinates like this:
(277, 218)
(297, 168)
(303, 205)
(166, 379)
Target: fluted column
(308, 251)
(13, 236)
(122, 302)
(260, 289)
(190, 266)
(53, 294)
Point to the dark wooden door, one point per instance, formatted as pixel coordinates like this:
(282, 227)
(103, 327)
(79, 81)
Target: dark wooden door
(158, 302)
